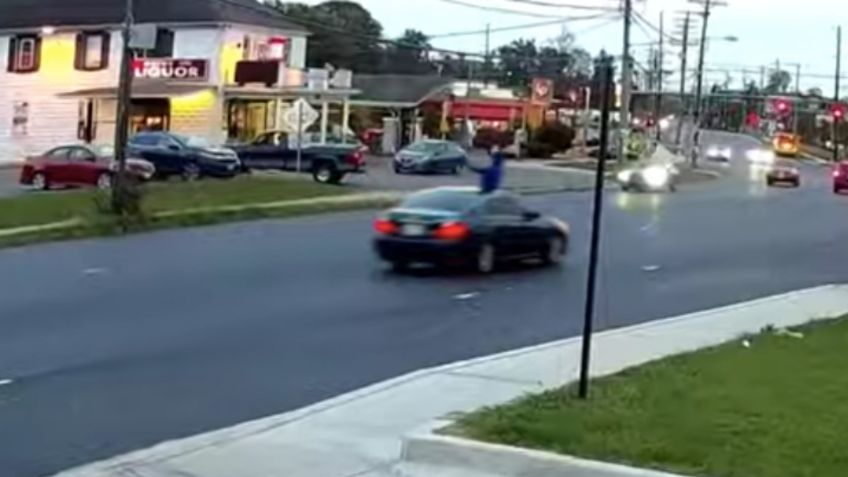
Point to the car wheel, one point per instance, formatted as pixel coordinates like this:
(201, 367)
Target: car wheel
(456, 170)
(398, 170)
(104, 181)
(39, 181)
(191, 172)
(326, 174)
(555, 250)
(672, 187)
(486, 259)
(769, 183)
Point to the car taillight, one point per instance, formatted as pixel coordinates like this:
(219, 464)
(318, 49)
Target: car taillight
(385, 227)
(355, 158)
(836, 173)
(452, 231)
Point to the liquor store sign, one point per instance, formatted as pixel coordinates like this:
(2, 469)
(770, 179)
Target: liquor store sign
(171, 69)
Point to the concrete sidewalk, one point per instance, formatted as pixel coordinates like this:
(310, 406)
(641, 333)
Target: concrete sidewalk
(361, 434)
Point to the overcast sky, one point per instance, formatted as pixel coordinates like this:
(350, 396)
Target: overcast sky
(789, 30)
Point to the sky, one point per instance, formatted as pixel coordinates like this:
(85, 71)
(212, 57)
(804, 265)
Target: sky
(789, 31)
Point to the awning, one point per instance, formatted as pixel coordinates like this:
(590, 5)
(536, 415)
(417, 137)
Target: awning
(142, 89)
(264, 92)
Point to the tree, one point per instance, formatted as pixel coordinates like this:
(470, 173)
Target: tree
(778, 82)
(815, 91)
(409, 54)
(344, 34)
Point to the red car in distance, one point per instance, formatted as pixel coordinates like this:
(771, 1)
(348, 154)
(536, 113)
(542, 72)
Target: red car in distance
(840, 177)
(78, 165)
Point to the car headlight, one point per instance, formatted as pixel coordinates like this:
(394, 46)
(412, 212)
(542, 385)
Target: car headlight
(625, 175)
(664, 124)
(713, 152)
(655, 176)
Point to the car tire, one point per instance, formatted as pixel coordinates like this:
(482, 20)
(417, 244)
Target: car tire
(837, 190)
(104, 181)
(39, 181)
(485, 259)
(672, 187)
(190, 173)
(456, 170)
(326, 174)
(769, 183)
(398, 170)
(555, 250)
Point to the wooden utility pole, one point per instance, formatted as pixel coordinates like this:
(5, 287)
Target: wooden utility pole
(626, 78)
(123, 112)
(660, 80)
(835, 131)
(683, 58)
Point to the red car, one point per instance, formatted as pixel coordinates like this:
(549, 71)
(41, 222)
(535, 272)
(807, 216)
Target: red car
(78, 165)
(840, 177)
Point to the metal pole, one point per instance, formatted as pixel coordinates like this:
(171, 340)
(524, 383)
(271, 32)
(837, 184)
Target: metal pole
(658, 103)
(486, 66)
(797, 98)
(465, 127)
(299, 134)
(587, 115)
(683, 58)
(122, 114)
(598, 206)
(626, 79)
(836, 91)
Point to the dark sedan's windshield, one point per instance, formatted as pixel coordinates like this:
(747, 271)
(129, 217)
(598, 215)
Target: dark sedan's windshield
(444, 200)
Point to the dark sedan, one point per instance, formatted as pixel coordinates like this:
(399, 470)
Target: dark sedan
(459, 225)
(189, 157)
(431, 155)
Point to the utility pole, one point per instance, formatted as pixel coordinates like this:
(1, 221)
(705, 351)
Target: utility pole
(797, 98)
(488, 59)
(836, 92)
(594, 248)
(683, 58)
(700, 80)
(123, 112)
(626, 78)
(660, 80)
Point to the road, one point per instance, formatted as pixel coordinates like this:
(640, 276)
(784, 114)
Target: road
(112, 345)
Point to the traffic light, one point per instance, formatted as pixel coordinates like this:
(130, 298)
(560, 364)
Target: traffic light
(837, 111)
(782, 106)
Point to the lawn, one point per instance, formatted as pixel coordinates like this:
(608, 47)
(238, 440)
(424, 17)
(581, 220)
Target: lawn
(45, 207)
(776, 409)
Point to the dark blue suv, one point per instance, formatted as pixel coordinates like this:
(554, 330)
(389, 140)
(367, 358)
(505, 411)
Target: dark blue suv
(189, 157)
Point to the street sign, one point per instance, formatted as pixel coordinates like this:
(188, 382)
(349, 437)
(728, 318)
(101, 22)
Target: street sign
(300, 116)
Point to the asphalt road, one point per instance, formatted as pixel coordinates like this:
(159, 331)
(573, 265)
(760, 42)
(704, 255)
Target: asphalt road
(117, 344)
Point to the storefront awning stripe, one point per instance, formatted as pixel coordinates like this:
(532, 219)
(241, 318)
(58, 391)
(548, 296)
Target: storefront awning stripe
(141, 90)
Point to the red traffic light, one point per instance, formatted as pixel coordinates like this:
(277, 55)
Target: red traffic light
(838, 111)
(782, 105)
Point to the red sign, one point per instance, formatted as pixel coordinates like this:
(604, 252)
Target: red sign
(171, 69)
(543, 91)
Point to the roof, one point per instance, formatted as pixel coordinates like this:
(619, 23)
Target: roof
(398, 90)
(140, 89)
(21, 14)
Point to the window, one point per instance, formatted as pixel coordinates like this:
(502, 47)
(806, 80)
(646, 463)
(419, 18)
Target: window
(24, 54)
(58, 154)
(92, 51)
(81, 154)
(164, 45)
(503, 206)
(144, 140)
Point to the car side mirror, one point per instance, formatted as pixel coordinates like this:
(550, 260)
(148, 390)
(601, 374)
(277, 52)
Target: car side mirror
(173, 147)
(530, 215)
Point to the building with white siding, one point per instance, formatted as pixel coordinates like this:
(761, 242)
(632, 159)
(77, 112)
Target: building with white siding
(59, 62)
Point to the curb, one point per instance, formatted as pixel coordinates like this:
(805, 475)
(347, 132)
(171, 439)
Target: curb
(506, 461)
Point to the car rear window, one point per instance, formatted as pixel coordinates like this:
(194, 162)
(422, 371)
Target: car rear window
(447, 200)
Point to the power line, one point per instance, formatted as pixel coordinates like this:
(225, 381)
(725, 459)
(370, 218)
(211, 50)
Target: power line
(524, 26)
(498, 9)
(541, 3)
(644, 21)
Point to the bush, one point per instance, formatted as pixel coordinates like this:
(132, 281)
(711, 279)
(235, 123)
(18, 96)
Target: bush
(488, 137)
(557, 136)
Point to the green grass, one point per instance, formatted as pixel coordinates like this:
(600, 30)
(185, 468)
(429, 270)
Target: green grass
(777, 409)
(248, 192)
(45, 207)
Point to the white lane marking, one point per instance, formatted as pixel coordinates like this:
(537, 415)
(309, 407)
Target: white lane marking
(650, 268)
(95, 271)
(5, 382)
(466, 296)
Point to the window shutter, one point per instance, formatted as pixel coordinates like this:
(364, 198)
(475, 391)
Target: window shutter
(79, 52)
(107, 37)
(13, 47)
